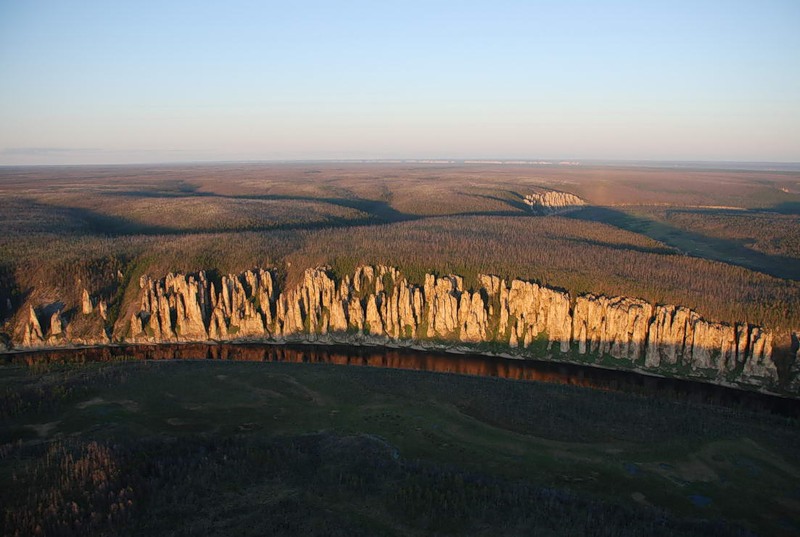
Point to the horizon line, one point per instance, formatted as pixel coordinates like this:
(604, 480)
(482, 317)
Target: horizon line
(560, 162)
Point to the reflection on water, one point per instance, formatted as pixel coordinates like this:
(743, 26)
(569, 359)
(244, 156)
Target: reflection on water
(440, 362)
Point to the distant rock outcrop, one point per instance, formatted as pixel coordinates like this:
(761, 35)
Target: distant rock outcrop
(552, 201)
(377, 304)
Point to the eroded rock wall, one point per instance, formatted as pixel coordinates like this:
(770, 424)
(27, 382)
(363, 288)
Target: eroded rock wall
(379, 305)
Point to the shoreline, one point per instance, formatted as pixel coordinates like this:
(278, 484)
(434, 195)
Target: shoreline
(462, 360)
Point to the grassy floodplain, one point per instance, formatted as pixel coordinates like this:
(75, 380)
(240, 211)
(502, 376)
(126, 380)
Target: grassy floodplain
(215, 448)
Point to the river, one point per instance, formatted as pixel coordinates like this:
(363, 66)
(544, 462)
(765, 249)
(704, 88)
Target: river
(434, 361)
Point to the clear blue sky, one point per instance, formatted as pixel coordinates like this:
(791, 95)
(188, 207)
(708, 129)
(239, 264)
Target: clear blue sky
(140, 81)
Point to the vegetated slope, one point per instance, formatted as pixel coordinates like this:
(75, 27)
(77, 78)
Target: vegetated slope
(246, 448)
(757, 240)
(560, 252)
(766, 232)
(577, 256)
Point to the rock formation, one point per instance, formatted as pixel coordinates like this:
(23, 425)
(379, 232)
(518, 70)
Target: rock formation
(31, 330)
(552, 201)
(379, 305)
(51, 328)
(86, 303)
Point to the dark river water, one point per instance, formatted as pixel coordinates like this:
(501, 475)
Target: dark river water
(441, 362)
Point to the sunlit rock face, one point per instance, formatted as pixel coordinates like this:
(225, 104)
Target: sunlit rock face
(617, 326)
(29, 333)
(378, 304)
(552, 202)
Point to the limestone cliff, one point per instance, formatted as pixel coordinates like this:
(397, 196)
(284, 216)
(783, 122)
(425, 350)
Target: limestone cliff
(552, 201)
(379, 305)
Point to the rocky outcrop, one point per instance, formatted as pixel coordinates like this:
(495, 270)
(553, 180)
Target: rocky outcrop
(552, 201)
(51, 326)
(30, 332)
(379, 305)
(86, 303)
(189, 308)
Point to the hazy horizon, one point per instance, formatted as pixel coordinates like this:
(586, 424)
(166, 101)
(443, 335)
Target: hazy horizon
(180, 82)
(766, 166)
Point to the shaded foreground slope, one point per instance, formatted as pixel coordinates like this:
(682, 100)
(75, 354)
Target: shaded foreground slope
(199, 448)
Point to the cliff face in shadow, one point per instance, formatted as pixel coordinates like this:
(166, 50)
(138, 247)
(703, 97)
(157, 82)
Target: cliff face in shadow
(378, 305)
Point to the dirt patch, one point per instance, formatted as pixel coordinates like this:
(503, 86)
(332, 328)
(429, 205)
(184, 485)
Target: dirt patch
(692, 470)
(304, 392)
(127, 404)
(774, 460)
(245, 427)
(91, 402)
(696, 470)
(43, 429)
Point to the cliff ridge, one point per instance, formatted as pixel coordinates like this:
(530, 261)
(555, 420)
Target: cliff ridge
(379, 305)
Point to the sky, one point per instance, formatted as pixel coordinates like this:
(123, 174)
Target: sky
(85, 82)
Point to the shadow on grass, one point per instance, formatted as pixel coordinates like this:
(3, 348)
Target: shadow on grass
(787, 207)
(11, 296)
(625, 247)
(92, 222)
(728, 251)
(378, 210)
(513, 200)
